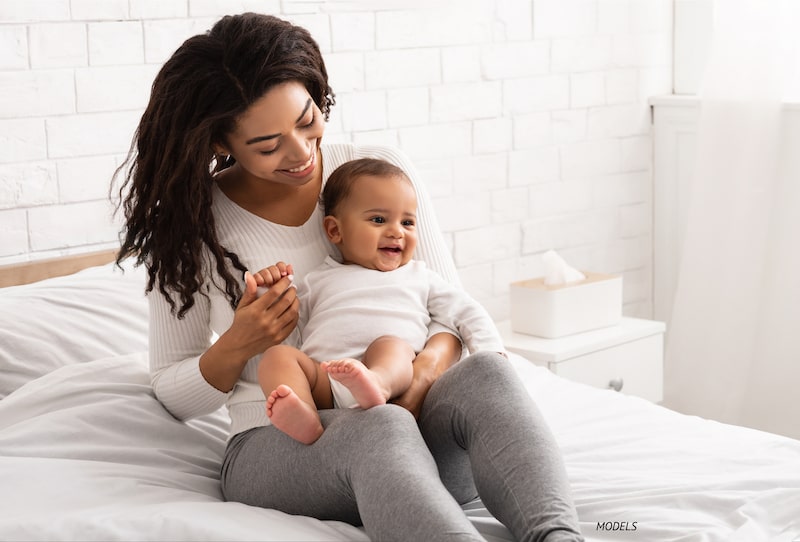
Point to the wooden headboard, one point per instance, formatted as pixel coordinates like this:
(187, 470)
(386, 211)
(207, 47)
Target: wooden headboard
(24, 273)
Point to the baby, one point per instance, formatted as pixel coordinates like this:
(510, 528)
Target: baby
(365, 317)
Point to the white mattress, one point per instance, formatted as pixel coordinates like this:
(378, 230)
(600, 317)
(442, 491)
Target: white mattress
(88, 453)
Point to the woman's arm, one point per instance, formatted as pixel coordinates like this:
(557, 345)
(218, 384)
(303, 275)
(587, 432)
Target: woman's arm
(441, 352)
(258, 323)
(191, 377)
(175, 345)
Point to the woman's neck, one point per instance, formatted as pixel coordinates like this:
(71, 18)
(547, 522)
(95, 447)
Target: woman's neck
(281, 204)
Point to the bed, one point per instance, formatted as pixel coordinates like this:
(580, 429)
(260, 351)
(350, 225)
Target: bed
(88, 453)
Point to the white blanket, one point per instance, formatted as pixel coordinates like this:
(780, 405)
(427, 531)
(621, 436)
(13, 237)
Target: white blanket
(88, 453)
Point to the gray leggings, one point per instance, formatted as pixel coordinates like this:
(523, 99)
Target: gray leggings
(372, 467)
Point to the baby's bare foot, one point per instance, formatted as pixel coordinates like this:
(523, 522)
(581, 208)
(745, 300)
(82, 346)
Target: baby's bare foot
(293, 416)
(361, 382)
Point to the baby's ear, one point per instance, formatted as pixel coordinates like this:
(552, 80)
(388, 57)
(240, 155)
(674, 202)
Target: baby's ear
(332, 230)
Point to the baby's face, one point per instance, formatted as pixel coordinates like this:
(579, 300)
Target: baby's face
(377, 223)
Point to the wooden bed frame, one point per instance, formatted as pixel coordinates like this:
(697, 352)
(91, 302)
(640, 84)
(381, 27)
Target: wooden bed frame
(27, 272)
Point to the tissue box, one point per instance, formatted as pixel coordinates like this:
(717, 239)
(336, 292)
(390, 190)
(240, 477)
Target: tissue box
(564, 309)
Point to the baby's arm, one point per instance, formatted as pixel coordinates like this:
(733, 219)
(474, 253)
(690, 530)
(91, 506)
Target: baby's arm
(453, 307)
(270, 275)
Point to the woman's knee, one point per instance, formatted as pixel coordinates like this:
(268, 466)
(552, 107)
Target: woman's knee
(387, 419)
(394, 441)
(388, 428)
(485, 358)
(482, 370)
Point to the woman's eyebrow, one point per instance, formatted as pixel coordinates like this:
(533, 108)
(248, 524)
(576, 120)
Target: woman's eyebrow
(273, 136)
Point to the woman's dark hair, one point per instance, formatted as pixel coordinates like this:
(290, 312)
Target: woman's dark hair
(341, 181)
(195, 101)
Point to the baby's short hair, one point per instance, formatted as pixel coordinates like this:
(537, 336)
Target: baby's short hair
(341, 181)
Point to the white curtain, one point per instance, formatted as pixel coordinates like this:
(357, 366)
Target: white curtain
(733, 348)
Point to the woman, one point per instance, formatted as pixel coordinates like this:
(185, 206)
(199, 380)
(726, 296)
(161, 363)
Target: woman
(224, 178)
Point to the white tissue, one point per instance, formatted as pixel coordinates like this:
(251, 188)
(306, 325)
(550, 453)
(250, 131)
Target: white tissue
(557, 271)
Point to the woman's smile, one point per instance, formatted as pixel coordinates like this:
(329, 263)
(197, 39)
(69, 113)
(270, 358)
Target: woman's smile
(303, 170)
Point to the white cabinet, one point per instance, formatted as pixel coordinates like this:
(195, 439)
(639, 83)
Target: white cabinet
(627, 357)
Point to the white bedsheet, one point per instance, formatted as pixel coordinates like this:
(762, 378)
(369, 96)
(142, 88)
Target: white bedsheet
(96, 313)
(87, 453)
(680, 478)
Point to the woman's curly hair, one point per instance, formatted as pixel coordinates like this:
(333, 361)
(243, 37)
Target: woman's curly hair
(195, 101)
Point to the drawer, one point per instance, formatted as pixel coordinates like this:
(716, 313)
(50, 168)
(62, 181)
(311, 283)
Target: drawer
(635, 367)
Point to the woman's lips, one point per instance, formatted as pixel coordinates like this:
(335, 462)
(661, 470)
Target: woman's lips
(304, 166)
(302, 170)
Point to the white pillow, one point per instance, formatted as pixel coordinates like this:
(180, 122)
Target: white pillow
(96, 313)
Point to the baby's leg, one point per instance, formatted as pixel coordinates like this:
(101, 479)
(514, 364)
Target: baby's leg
(385, 373)
(295, 386)
(392, 360)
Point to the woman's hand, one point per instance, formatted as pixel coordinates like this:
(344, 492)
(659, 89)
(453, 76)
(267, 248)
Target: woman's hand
(441, 352)
(270, 275)
(265, 319)
(258, 323)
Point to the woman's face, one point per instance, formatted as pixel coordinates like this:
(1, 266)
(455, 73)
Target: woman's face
(277, 138)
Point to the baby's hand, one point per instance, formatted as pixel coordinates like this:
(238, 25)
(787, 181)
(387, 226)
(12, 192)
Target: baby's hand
(270, 275)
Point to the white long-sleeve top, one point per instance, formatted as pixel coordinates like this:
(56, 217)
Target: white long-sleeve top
(345, 307)
(175, 345)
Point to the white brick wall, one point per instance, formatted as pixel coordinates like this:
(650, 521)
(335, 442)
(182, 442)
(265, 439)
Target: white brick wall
(58, 45)
(528, 120)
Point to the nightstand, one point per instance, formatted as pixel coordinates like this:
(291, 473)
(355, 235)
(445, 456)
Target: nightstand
(627, 357)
